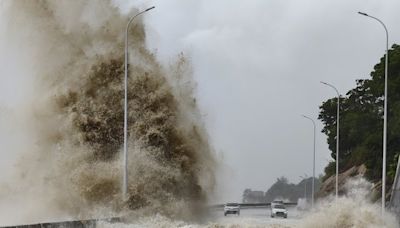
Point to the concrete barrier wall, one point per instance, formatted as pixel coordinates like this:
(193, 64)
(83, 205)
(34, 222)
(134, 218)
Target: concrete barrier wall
(252, 205)
(66, 224)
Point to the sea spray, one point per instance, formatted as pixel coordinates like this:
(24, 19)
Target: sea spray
(76, 119)
(352, 210)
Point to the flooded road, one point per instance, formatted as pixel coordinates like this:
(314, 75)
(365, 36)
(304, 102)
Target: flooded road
(327, 215)
(259, 218)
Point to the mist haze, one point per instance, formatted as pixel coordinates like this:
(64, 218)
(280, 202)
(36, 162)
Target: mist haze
(258, 67)
(253, 68)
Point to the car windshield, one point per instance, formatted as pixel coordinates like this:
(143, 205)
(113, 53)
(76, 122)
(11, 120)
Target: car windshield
(232, 204)
(279, 206)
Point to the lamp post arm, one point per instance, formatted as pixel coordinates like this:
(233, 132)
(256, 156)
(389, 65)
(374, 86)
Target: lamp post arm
(125, 155)
(333, 87)
(381, 22)
(337, 139)
(384, 113)
(313, 180)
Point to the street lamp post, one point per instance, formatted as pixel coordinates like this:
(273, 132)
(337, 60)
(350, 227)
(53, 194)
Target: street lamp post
(125, 159)
(304, 178)
(337, 138)
(384, 112)
(313, 180)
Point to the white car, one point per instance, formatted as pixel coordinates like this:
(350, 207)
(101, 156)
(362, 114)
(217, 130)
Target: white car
(278, 210)
(232, 208)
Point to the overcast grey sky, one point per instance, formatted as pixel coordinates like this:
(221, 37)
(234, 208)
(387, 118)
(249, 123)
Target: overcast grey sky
(258, 65)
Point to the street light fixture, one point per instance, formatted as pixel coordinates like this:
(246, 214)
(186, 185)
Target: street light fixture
(384, 112)
(337, 138)
(125, 160)
(313, 180)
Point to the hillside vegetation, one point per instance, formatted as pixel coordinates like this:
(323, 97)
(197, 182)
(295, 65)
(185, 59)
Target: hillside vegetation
(361, 122)
(282, 189)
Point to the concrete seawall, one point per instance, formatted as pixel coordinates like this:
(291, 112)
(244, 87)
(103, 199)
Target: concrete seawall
(66, 224)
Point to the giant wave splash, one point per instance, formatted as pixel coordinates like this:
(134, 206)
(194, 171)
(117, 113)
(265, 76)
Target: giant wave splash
(72, 169)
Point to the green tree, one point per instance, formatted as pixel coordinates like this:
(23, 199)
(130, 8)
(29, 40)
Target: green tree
(282, 189)
(361, 121)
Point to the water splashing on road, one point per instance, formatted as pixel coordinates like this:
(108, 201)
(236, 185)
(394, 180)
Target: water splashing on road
(70, 129)
(73, 52)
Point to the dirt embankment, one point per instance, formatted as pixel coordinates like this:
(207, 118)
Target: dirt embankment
(328, 186)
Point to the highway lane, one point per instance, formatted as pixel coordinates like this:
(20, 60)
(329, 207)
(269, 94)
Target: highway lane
(256, 217)
(249, 217)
